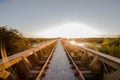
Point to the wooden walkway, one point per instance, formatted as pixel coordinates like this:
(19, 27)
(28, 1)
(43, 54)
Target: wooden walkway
(59, 67)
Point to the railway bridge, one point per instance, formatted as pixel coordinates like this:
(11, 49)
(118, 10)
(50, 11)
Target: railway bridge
(59, 60)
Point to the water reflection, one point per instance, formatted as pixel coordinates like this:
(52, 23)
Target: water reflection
(82, 44)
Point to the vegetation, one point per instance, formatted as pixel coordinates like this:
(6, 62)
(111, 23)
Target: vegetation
(38, 40)
(110, 46)
(13, 41)
(96, 40)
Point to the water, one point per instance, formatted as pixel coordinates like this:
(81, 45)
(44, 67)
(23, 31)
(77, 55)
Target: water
(59, 67)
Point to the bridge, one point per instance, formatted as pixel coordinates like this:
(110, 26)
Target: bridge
(59, 60)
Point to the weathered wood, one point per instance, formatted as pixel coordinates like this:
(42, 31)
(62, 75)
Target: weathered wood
(9, 63)
(23, 67)
(85, 60)
(4, 74)
(93, 61)
(13, 59)
(21, 59)
(113, 76)
(46, 63)
(109, 60)
(25, 59)
(33, 60)
(80, 74)
(36, 55)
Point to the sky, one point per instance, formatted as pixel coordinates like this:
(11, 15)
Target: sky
(61, 18)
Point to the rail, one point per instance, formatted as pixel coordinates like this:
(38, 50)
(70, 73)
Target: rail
(45, 65)
(98, 64)
(76, 67)
(23, 59)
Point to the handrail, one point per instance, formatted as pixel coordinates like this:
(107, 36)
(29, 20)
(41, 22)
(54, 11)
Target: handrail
(13, 59)
(116, 60)
(110, 60)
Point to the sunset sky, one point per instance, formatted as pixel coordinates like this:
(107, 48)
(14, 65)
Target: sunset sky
(61, 18)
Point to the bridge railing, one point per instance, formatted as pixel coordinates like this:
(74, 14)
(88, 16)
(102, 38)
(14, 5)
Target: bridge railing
(107, 67)
(107, 59)
(23, 57)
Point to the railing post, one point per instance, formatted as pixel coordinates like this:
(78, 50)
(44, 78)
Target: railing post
(4, 74)
(27, 62)
(85, 60)
(93, 61)
(33, 59)
(97, 67)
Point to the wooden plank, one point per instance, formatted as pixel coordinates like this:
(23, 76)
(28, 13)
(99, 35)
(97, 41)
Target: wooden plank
(46, 63)
(85, 60)
(93, 61)
(109, 60)
(27, 62)
(80, 74)
(13, 59)
(113, 76)
(4, 74)
(10, 63)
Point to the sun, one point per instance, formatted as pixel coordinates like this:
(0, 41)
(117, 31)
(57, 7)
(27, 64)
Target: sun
(72, 29)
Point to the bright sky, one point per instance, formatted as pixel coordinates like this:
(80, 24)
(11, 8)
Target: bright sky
(70, 30)
(61, 18)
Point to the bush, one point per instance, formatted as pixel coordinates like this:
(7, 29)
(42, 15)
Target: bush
(111, 47)
(13, 40)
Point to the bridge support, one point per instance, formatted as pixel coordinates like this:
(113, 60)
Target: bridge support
(85, 60)
(4, 74)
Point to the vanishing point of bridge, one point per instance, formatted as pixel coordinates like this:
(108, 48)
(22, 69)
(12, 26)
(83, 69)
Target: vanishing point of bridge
(59, 60)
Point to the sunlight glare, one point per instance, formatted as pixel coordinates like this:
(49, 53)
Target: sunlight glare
(70, 30)
(78, 44)
(72, 42)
